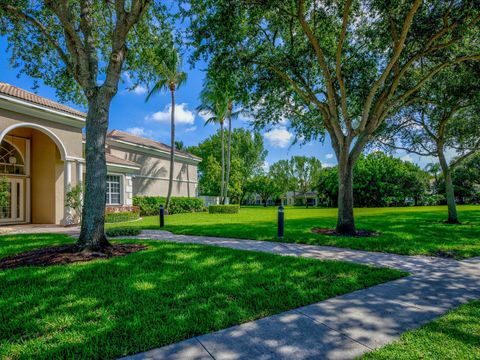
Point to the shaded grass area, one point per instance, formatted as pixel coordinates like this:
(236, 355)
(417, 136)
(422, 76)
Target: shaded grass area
(408, 230)
(455, 335)
(169, 292)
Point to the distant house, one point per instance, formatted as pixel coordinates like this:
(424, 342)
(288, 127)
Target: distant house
(41, 156)
(290, 198)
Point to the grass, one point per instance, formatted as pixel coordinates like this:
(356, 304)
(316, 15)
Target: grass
(409, 230)
(109, 308)
(455, 335)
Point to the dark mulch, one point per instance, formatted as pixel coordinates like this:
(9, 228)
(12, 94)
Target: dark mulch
(333, 232)
(65, 254)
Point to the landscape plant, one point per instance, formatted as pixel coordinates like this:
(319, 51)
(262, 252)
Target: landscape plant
(333, 67)
(82, 48)
(169, 77)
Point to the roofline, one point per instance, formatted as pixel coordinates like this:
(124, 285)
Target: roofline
(18, 105)
(128, 144)
(129, 167)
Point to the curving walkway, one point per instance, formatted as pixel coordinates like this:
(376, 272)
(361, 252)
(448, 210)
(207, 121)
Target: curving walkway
(340, 328)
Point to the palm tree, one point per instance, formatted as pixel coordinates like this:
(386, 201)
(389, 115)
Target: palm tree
(215, 105)
(170, 77)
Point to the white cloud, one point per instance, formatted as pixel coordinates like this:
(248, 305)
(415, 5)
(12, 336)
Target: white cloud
(407, 157)
(278, 137)
(191, 129)
(329, 156)
(139, 90)
(205, 115)
(182, 115)
(139, 131)
(327, 165)
(266, 165)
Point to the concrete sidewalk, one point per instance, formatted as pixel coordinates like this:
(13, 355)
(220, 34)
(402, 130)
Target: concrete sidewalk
(340, 328)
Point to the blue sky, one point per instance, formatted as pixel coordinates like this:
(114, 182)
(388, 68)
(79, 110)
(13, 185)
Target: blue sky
(131, 113)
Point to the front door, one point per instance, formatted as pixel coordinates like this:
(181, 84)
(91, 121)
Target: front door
(15, 209)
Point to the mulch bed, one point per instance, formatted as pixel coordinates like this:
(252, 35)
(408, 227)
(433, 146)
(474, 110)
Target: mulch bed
(65, 254)
(333, 232)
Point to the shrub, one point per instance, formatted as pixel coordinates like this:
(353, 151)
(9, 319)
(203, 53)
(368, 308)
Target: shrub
(223, 209)
(114, 217)
(149, 205)
(123, 232)
(74, 200)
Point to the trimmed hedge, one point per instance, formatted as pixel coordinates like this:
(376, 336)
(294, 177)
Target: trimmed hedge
(149, 205)
(115, 217)
(122, 232)
(223, 209)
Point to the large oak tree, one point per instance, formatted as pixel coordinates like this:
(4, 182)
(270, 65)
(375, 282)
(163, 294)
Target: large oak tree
(332, 66)
(81, 47)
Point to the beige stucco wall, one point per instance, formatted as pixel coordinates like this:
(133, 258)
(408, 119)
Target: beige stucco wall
(70, 136)
(152, 178)
(47, 169)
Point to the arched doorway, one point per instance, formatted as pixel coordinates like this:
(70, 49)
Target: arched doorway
(32, 162)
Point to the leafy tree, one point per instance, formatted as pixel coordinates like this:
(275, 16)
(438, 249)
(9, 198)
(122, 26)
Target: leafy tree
(283, 175)
(306, 172)
(466, 180)
(179, 145)
(169, 77)
(333, 66)
(264, 186)
(215, 104)
(380, 180)
(81, 48)
(444, 116)
(248, 155)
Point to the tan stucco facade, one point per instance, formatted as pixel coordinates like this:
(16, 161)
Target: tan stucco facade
(42, 158)
(152, 178)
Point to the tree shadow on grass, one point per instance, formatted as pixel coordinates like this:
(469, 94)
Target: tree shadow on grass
(108, 308)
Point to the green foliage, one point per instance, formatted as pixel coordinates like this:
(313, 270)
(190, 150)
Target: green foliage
(4, 192)
(117, 232)
(466, 181)
(415, 230)
(74, 200)
(248, 155)
(157, 296)
(379, 180)
(150, 205)
(122, 216)
(264, 186)
(223, 209)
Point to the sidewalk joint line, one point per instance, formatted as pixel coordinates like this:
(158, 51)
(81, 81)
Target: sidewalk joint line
(203, 346)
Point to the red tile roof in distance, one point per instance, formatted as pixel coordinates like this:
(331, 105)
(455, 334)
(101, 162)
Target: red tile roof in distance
(15, 92)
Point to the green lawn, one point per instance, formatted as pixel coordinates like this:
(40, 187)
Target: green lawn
(109, 308)
(409, 230)
(453, 336)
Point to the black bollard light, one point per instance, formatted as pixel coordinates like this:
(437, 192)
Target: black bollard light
(281, 222)
(162, 216)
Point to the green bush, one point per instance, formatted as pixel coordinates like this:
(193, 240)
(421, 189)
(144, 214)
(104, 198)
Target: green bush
(223, 209)
(114, 217)
(149, 205)
(123, 232)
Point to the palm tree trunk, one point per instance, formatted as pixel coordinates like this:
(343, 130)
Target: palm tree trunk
(222, 182)
(172, 152)
(228, 155)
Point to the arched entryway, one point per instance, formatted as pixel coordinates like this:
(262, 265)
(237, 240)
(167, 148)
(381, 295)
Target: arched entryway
(32, 160)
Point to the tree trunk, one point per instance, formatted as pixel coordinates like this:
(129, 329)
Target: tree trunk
(92, 234)
(346, 221)
(450, 194)
(172, 153)
(229, 141)
(222, 181)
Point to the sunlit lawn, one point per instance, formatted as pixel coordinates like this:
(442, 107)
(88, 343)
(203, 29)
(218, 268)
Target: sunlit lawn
(453, 336)
(109, 308)
(409, 230)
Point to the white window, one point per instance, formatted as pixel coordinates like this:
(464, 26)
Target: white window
(113, 189)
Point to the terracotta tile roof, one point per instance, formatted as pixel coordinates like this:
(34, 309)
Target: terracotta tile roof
(15, 92)
(137, 140)
(111, 159)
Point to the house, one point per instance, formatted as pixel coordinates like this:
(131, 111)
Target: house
(297, 198)
(42, 156)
